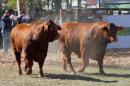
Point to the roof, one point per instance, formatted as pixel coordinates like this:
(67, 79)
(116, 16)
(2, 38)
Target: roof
(117, 5)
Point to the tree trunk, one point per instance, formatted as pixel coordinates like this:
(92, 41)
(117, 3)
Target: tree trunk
(69, 4)
(35, 9)
(79, 9)
(31, 9)
(48, 4)
(39, 8)
(1, 7)
(57, 4)
(23, 5)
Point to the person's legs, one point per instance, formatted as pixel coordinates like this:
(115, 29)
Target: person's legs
(6, 40)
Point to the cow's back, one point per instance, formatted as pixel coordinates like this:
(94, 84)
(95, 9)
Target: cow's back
(79, 36)
(73, 34)
(74, 30)
(19, 35)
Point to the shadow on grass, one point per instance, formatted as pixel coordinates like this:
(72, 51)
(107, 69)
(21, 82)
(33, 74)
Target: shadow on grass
(75, 77)
(112, 75)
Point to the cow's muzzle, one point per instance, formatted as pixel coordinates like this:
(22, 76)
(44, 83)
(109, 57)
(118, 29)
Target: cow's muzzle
(113, 39)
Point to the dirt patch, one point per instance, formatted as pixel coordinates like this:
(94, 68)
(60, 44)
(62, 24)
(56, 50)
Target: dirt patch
(113, 57)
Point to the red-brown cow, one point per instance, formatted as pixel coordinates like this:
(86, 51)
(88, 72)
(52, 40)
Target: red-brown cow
(86, 40)
(32, 40)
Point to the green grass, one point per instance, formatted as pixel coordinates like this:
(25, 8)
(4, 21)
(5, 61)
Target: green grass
(125, 32)
(54, 76)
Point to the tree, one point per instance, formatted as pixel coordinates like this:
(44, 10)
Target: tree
(48, 4)
(69, 4)
(9, 4)
(0, 7)
(57, 5)
(23, 5)
(35, 8)
(79, 9)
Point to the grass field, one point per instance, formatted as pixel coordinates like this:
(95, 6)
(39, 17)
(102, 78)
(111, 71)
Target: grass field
(117, 74)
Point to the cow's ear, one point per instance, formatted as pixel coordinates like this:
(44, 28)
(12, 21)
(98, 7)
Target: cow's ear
(47, 23)
(111, 26)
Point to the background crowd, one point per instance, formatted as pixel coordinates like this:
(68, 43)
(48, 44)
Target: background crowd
(8, 20)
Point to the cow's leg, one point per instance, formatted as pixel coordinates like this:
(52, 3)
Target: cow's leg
(64, 64)
(63, 57)
(100, 64)
(85, 62)
(84, 59)
(28, 63)
(18, 59)
(41, 74)
(67, 57)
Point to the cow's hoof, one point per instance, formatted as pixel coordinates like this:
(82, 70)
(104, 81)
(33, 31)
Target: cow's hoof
(73, 73)
(41, 75)
(25, 68)
(29, 72)
(102, 73)
(64, 69)
(19, 73)
(81, 71)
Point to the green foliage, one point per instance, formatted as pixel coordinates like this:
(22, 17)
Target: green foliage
(125, 32)
(11, 4)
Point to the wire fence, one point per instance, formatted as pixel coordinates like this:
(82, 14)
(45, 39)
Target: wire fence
(81, 15)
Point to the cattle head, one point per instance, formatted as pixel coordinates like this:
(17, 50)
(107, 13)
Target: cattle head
(51, 30)
(109, 31)
(46, 29)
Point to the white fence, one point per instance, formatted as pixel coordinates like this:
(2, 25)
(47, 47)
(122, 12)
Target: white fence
(122, 20)
(123, 42)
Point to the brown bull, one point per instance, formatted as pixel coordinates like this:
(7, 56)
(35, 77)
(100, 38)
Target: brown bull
(32, 40)
(86, 40)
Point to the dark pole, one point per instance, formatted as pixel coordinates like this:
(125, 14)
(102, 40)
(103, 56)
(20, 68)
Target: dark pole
(99, 3)
(1, 1)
